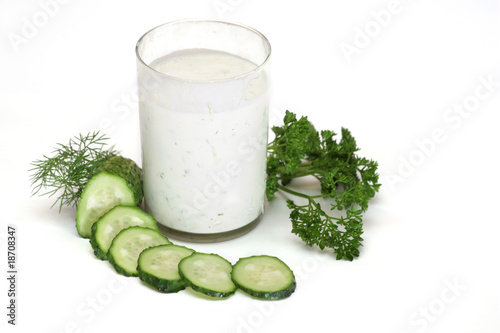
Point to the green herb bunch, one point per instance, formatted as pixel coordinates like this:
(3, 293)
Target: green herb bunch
(346, 180)
(70, 168)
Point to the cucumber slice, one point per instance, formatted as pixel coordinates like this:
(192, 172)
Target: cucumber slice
(209, 274)
(128, 245)
(264, 277)
(103, 192)
(117, 182)
(112, 222)
(158, 267)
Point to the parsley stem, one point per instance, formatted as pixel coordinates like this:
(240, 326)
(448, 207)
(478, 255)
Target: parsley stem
(286, 189)
(302, 195)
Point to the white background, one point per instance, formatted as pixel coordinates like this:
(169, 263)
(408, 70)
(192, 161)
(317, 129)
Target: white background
(430, 260)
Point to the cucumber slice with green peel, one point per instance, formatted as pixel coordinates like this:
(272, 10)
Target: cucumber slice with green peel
(264, 277)
(117, 182)
(158, 267)
(126, 247)
(103, 192)
(209, 274)
(111, 223)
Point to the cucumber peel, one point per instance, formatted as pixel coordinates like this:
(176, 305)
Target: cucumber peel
(128, 170)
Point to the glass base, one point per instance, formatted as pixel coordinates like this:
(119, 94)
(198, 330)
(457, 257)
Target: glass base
(209, 237)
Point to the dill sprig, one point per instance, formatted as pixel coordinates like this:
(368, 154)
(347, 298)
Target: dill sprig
(70, 168)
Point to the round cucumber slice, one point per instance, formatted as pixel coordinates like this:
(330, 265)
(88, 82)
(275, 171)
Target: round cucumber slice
(127, 246)
(158, 267)
(209, 274)
(111, 223)
(263, 277)
(103, 192)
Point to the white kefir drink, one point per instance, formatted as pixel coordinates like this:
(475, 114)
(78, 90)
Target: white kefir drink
(204, 121)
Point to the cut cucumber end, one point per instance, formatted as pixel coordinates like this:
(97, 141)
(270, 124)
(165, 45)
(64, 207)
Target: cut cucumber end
(208, 274)
(129, 171)
(264, 277)
(103, 192)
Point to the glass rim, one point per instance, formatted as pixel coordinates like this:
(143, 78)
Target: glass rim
(266, 42)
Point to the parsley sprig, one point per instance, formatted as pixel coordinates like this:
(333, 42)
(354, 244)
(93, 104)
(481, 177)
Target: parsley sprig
(347, 183)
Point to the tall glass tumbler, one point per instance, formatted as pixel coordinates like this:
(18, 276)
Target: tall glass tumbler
(204, 109)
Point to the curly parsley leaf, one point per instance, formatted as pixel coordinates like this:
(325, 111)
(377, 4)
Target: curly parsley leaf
(346, 180)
